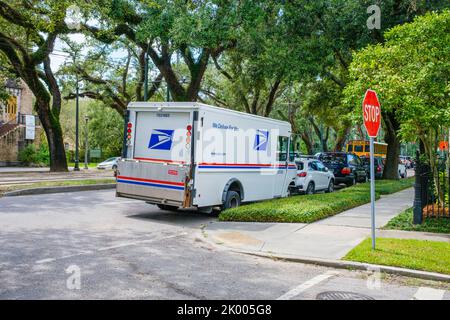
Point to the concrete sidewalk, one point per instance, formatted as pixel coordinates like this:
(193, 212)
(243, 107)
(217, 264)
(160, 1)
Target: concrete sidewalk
(330, 238)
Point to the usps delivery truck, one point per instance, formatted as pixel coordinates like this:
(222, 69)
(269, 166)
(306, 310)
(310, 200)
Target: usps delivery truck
(192, 155)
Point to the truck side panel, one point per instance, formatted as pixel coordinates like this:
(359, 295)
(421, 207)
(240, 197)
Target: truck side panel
(242, 148)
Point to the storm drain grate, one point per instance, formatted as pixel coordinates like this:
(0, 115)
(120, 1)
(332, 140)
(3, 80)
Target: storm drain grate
(342, 295)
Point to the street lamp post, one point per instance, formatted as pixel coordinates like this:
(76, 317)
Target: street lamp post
(86, 143)
(76, 167)
(146, 75)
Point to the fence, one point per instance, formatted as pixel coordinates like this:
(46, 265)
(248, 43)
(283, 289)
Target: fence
(432, 189)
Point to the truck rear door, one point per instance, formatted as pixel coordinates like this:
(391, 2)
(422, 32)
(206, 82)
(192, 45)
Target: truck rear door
(158, 168)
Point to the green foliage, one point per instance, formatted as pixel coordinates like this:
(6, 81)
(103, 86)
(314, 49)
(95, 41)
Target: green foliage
(105, 130)
(410, 74)
(310, 208)
(404, 221)
(412, 254)
(32, 156)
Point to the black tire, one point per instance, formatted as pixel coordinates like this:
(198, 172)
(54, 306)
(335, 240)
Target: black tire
(232, 200)
(166, 207)
(330, 187)
(114, 167)
(292, 190)
(310, 189)
(352, 182)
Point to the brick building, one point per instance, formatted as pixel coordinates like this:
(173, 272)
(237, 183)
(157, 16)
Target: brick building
(16, 122)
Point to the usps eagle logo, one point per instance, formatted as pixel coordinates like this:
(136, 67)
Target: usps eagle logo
(161, 139)
(261, 139)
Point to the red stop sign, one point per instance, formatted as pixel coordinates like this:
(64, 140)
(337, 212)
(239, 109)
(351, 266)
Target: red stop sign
(371, 113)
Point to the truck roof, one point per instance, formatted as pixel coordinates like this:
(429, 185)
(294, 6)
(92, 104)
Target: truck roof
(197, 105)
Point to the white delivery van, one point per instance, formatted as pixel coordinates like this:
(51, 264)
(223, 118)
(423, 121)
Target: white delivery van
(192, 155)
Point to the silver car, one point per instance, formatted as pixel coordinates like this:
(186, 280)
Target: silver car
(110, 163)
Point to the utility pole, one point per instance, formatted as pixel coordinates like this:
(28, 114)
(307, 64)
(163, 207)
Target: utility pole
(86, 142)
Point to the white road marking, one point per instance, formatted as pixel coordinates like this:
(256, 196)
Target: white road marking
(127, 244)
(121, 245)
(424, 293)
(45, 260)
(308, 284)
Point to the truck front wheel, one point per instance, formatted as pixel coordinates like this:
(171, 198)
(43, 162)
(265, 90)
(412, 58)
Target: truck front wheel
(233, 200)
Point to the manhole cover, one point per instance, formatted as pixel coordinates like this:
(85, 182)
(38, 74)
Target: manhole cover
(342, 295)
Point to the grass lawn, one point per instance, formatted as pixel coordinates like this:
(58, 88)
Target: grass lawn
(81, 164)
(309, 208)
(55, 184)
(412, 254)
(404, 221)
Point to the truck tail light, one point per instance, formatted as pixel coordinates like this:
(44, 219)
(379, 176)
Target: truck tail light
(129, 131)
(301, 174)
(188, 135)
(346, 170)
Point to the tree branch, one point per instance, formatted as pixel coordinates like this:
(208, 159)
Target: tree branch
(335, 79)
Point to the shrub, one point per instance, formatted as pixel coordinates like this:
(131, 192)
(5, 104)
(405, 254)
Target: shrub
(32, 156)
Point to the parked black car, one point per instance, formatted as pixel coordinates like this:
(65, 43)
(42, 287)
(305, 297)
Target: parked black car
(379, 166)
(347, 167)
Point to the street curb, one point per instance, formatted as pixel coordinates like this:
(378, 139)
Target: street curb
(340, 264)
(59, 189)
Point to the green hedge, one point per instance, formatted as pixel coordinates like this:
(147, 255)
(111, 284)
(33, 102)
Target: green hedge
(310, 208)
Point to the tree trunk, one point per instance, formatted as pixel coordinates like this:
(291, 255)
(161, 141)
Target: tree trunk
(308, 143)
(53, 132)
(341, 138)
(393, 148)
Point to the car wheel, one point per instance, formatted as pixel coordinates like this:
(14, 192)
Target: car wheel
(292, 190)
(330, 187)
(233, 200)
(166, 207)
(310, 188)
(114, 167)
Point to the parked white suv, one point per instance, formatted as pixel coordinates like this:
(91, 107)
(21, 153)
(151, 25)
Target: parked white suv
(312, 176)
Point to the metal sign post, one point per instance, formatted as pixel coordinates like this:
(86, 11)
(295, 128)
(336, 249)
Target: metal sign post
(372, 191)
(372, 121)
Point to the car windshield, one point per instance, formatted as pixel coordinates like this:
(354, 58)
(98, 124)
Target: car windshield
(110, 159)
(334, 158)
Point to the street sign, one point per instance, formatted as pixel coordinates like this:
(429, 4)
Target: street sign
(95, 153)
(30, 127)
(371, 109)
(371, 113)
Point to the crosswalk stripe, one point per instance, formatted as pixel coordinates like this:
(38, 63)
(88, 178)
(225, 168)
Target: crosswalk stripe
(308, 284)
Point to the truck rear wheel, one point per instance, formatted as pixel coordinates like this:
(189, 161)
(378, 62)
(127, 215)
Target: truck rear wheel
(233, 200)
(166, 207)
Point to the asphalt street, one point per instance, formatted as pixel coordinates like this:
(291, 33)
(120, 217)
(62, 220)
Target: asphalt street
(91, 245)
